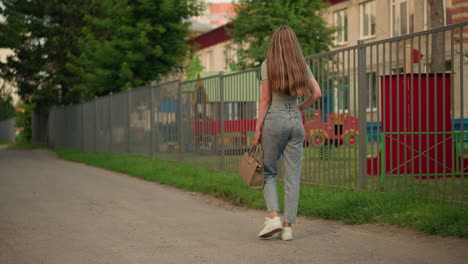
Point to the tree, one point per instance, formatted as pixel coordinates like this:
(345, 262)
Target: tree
(7, 110)
(127, 43)
(256, 21)
(436, 14)
(194, 68)
(42, 35)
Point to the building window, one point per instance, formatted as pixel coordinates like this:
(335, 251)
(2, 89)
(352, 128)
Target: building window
(367, 19)
(231, 111)
(372, 86)
(426, 14)
(398, 70)
(341, 21)
(400, 17)
(343, 94)
(448, 65)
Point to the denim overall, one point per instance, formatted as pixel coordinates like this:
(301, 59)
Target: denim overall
(283, 134)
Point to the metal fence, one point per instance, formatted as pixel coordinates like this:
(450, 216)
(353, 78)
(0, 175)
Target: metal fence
(39, 126)
(386, 121)
(7, 130)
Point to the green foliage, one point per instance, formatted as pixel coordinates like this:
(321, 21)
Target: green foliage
(7, 110)
(128, 43)
(41, 34)
(68, 51)
(256, 21)
(194, 68)
(233, 67)
(345, 205)
(23, 121)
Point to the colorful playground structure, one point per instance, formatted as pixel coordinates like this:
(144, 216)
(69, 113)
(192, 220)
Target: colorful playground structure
(236, 140)
(341, 129)
(323, 127)
(417, 137)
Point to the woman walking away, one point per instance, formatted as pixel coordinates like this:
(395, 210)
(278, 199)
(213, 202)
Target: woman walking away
(285, 77)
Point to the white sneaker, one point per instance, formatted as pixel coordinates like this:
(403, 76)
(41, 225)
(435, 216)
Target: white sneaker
(286, 234)
(272, 226)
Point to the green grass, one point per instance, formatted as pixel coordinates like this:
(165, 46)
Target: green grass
(341, 170)
(3, 142)
(348, 206)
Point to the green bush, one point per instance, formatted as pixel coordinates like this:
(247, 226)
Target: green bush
(23, 120)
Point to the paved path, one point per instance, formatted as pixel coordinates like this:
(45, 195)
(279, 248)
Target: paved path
(54, 211)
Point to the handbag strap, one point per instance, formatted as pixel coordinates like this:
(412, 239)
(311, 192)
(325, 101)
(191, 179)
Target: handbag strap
(251, 150)
(256, 151)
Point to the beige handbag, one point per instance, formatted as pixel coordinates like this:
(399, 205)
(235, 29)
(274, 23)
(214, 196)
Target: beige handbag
(251, 169)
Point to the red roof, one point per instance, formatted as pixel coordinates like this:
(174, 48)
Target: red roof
(210, 38)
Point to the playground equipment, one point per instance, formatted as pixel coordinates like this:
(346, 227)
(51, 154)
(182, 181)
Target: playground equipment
(238, 134)
(340, 129)
(417, 136)
(236, 140)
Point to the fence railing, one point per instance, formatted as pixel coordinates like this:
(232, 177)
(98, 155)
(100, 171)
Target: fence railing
(39, 126)
(372, 129)
(7, 130)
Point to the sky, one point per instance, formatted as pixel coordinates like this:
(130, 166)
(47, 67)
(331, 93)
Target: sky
(1, 17)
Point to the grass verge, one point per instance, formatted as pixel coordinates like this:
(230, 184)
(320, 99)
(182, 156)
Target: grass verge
(348, 206)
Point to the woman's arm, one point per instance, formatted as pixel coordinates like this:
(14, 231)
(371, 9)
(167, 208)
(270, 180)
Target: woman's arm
(316, 94)
(265, 100)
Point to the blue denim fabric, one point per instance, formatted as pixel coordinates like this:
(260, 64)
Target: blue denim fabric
(283, 134)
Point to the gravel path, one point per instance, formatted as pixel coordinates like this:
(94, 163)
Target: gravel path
(55, 211)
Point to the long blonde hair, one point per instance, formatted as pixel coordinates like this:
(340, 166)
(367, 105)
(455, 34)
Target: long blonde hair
(287, 68)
